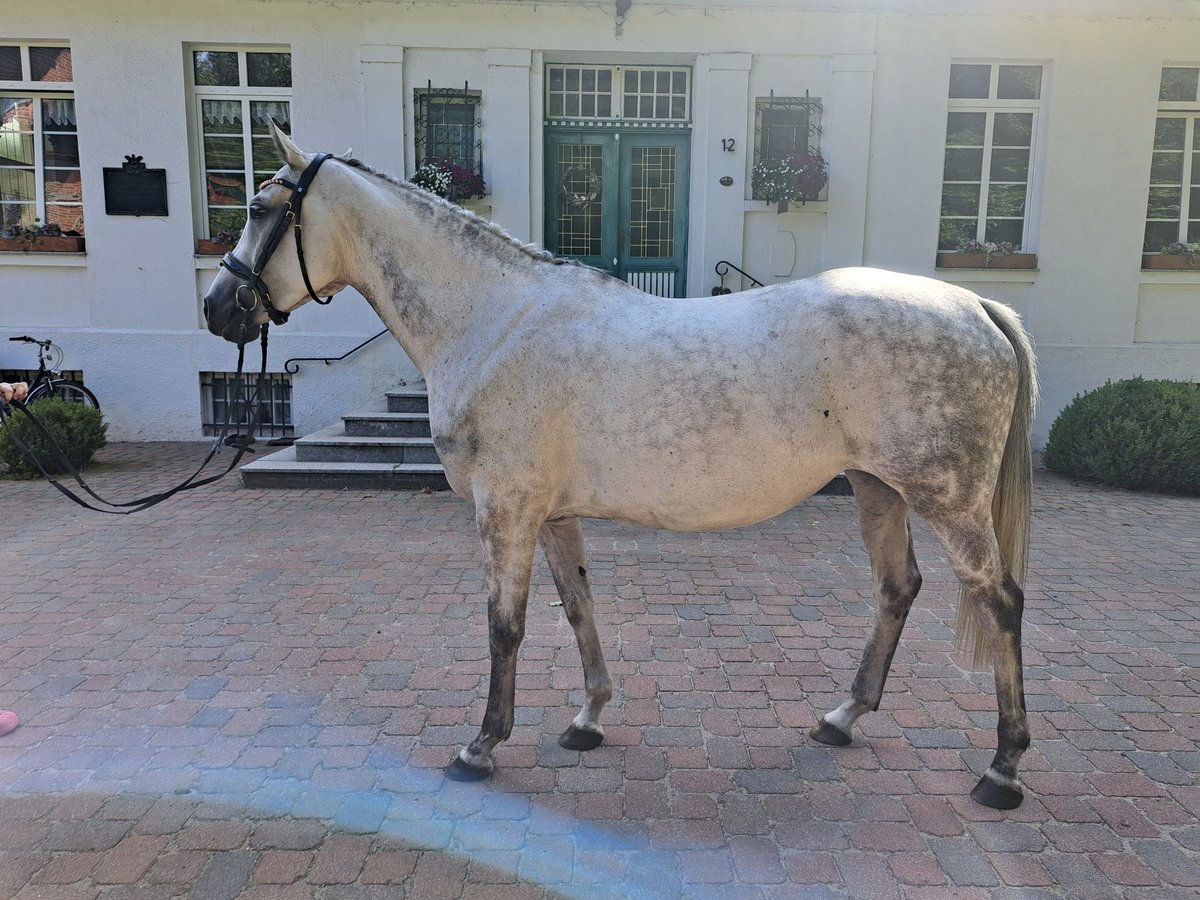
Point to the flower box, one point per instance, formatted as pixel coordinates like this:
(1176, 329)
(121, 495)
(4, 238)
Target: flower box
(45, 243)
(1176, 261)
(206, 247)
(961, 260)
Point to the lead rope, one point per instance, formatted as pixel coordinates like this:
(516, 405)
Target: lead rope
(132, 506)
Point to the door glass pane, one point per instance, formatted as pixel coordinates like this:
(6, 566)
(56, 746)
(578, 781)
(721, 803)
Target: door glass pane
(224, 153)
(1004, 230)
(956, 232)
(960, 200)
(652, 202)
(221, 116)
(1010, 165)
(1168, 133)
(578, 174)
(963, 165)
(226, 189)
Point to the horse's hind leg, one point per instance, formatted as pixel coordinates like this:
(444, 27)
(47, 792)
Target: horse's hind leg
(508, 536)
(992, 604)
(883, 519)
(563, 543)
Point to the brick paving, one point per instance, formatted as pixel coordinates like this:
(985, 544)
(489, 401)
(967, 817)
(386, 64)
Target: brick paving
(253, 693)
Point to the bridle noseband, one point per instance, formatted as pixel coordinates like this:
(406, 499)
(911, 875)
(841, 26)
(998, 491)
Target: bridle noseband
(254, 285)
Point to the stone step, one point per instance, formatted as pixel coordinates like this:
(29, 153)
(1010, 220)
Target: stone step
(387, 424)
(332, 444)
(412, 399)
(283, 470)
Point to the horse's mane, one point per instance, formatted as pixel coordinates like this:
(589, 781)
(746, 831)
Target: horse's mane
(532, 250)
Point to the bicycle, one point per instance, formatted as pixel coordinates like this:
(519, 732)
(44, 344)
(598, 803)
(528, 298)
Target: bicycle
(48, 383)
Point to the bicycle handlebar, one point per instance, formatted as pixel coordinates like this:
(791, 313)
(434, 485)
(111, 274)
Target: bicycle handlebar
(30, 340)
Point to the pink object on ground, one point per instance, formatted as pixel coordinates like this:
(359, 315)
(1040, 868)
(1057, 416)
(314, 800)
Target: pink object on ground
(8, 721)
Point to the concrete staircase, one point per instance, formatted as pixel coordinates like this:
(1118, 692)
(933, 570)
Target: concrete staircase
(390, 448)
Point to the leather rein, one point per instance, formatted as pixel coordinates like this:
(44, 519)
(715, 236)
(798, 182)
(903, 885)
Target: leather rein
(259, 293)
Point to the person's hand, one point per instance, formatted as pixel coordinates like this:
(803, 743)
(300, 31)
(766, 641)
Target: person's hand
(11, 392)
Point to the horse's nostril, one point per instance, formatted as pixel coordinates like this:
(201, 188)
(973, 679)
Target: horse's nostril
(206, 307)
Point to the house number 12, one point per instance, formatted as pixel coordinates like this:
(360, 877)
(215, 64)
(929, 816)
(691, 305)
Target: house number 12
(727, 144)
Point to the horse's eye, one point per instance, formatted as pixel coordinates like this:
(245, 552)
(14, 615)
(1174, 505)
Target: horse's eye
(257, 212)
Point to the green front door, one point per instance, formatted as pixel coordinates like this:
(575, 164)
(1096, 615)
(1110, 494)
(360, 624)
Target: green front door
(617, 200)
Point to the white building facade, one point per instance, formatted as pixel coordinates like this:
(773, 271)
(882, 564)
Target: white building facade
(624, 133)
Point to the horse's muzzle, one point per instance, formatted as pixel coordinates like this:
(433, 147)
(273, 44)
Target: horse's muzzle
(229, 319)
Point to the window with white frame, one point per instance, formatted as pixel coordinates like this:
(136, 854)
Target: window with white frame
(632, 93)
(991, 130)
(236, 94)
(39, 143)
(1173, 209)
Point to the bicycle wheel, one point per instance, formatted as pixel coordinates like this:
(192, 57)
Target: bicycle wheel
(63, 389)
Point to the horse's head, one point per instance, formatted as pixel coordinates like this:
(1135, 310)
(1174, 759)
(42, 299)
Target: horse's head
(239, 302)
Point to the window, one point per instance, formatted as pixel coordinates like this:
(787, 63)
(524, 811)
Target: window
(784, 127)
(646, 93)
(448, 127)
(217, 393)
(236, 93)
(991, 128)
(39, 144)
(1173, 209)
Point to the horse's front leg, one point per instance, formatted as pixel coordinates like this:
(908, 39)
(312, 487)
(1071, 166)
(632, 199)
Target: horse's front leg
(508, 537)
(563, 543)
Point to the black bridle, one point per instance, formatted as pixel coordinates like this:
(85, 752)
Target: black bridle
(259, 294)
(289, 217)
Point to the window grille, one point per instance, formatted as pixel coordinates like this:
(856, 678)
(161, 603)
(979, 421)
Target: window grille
(632, 94)
(785, 127)
(1173, 207)
(991, 130)
(39, 141)
(449, 127)
(219, 399)
(236, 94)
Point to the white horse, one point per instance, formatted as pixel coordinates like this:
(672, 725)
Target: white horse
(557, 392)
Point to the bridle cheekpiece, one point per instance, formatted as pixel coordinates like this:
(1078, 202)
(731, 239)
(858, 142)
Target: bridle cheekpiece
(255, 288)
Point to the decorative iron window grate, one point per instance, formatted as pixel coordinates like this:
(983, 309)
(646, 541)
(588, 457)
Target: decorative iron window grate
(786, 126)
(449, 127)
(219, 399)
(645, 94)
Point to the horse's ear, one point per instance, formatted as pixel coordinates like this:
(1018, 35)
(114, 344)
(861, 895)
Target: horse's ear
(286, 147)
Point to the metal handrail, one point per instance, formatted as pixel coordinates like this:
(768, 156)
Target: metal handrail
(721, 273)
(287, 365)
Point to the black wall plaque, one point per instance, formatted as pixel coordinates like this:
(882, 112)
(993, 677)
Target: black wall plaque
(134, 190)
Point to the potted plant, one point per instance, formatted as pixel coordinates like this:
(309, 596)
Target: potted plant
(800, 177)
(1176, 255)
(986, 255)
(220, 243)
(450, 180)
(39, 238)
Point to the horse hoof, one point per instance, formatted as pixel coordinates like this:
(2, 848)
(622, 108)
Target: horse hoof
(580, 739)
(995, 795)
(461, 771)
(829, 734)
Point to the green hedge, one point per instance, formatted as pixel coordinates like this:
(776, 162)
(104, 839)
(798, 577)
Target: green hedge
(78, 429)
(1134, 434)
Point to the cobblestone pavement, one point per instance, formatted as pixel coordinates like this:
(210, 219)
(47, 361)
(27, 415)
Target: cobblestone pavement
(253, 694)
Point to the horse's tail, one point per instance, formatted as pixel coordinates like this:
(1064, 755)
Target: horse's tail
(1011, 502)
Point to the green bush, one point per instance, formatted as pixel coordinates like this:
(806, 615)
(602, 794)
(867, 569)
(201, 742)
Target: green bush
(79, 430)
(1134, 434)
